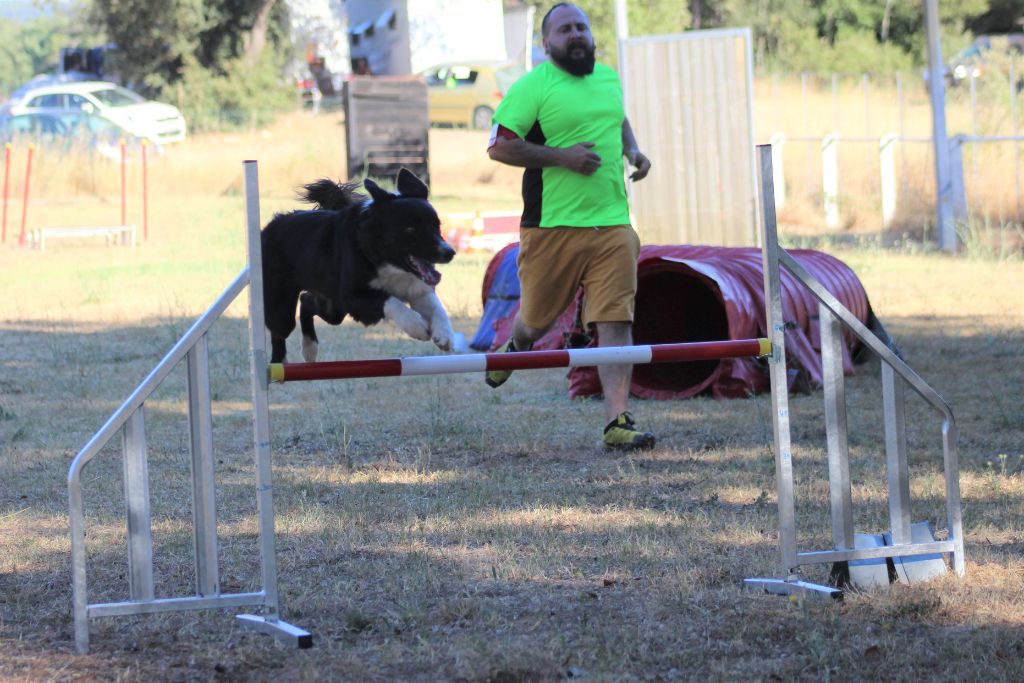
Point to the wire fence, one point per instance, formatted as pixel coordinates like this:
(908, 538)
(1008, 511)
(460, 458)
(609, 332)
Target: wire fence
(856, 153)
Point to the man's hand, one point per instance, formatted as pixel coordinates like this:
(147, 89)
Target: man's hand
(580, 159)
(640, 162)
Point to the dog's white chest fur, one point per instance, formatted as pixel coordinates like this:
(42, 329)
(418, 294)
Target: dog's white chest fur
(424, 318)
(400, 283)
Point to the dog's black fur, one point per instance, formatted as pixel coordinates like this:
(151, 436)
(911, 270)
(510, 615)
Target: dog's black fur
(355, 256)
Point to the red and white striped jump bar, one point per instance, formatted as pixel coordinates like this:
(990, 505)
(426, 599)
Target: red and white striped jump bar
(520, 360)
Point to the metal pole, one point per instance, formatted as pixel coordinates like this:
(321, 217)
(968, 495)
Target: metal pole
(260, 403)
(145, 192)
(836, 427)
(777, 364)
(204, 486)
(974, 131)
(809, 182)
(124, 182)
(621, 34)
(887, 173)
(621, 20)
(1014, 128)
(830, 179)
(944, 220)
(778, 141)
(136, 495)
(269, 622)
(521, 360)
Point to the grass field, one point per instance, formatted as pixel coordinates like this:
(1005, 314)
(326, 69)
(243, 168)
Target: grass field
(435, 529)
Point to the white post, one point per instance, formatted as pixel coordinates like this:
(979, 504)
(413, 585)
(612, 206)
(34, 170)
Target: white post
(887, 166)
(945, 222)
(830, 179)
(621, 20)
(269, 622)
(958, 193)
(777, 141)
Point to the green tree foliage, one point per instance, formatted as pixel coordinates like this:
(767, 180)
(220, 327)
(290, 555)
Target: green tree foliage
(213, 59)
(31, 47)
(847, 36)
(652, 17)
(1001, 16)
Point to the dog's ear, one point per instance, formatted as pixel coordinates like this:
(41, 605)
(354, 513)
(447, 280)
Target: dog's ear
(411, 186)
(378, 194)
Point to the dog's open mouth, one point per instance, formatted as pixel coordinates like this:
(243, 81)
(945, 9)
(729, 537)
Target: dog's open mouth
(425, 271)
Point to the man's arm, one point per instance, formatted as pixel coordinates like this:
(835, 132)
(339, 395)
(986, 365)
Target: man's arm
(633, 154)
(510, 149)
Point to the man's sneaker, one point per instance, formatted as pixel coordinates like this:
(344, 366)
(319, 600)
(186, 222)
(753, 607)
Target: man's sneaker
(621, 434)
(495, 378)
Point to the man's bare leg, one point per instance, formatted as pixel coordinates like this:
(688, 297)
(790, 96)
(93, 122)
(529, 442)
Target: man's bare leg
(615, 379)
(524, 336)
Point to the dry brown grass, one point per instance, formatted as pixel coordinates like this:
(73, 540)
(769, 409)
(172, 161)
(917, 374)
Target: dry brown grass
(434, 529)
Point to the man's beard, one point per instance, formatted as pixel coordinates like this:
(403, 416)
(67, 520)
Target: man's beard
(581, 66)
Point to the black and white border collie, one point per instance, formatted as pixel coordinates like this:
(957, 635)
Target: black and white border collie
(368, 258)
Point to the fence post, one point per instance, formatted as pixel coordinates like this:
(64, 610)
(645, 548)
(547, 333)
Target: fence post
(956, 178)
(830, 179)
(778, 141)
(145, 192)
(887, 167)
(124, 183)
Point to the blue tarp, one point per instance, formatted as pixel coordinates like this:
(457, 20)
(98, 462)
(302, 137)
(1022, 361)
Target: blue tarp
(501, 300)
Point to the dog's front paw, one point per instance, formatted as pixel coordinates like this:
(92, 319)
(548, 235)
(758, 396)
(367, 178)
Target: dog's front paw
(443, 335)
(415, 326)
(443, 341)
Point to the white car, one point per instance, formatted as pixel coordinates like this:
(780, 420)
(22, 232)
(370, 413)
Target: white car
(155, 121)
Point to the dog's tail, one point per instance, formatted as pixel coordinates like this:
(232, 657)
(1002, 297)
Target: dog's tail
(327, 194)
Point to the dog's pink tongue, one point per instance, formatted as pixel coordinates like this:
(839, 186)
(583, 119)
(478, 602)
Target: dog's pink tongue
(428, 273)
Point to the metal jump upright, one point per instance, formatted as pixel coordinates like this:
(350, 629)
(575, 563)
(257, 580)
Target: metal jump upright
(896, 375)
(129, 420)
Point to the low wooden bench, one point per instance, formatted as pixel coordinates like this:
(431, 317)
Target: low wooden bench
(114, 234)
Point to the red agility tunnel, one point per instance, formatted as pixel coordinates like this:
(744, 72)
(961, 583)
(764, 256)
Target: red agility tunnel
(693, 294)
(520, 360)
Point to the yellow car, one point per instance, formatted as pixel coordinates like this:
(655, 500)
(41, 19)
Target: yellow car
(467, 93)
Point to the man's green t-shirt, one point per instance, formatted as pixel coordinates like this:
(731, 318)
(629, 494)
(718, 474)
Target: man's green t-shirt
(551, 107)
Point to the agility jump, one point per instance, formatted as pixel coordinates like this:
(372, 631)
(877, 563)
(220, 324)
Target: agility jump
(128, 421)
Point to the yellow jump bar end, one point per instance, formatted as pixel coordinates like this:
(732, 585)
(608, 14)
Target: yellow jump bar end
(276, 372)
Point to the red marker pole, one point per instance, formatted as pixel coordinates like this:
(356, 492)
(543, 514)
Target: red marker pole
(7, 177)
(124, 183)
(145, 192)
(24, 202)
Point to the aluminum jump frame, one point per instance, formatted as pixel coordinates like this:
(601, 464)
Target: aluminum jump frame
(896, 374)
(192, 347)
(129, 420)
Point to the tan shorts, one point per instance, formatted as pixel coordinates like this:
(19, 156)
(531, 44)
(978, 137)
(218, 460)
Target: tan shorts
(555, 262)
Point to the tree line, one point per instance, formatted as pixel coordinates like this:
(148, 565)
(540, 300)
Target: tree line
(228, 55)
